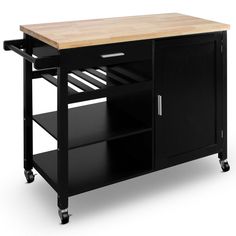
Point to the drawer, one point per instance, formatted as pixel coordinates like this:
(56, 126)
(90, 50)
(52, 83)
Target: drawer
(109, 54)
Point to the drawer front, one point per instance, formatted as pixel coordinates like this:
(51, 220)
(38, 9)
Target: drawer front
(109, 54)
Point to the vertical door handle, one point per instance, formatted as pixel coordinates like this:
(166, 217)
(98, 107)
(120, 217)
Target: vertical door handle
(159, 105)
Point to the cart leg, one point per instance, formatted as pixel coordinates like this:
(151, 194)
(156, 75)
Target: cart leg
(62, 142)
(223, 154)
(28, 110)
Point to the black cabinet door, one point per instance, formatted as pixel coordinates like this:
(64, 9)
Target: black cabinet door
(188, 98)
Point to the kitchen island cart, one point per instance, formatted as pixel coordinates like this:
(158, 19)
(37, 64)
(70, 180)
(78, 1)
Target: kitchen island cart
(165, 82)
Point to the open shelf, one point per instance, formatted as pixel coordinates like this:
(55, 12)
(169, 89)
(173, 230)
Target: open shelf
(100, 164)
(93, 123)
(96, 82)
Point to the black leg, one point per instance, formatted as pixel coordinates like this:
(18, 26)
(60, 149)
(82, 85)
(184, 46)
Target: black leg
(223, 154)
(62, 156)
(28, 110)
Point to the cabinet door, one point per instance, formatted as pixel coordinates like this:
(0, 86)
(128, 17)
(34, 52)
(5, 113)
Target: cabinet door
(188, 95)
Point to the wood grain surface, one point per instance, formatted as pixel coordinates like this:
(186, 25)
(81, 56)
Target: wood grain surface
(73, 34)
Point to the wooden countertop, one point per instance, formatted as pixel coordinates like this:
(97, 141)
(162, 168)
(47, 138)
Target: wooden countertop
(63, 35)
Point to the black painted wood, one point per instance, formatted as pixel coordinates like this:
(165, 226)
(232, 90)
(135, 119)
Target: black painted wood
(223, 88)
(87, 92)
(100, 164)
(119, 79)
(104, 77)
(138, 103)
(127, 73)
(51, 79)
(89, 79)
(187, 78)
(91, 56)
(79, 84)
(109, 91)
(93, 123)
(28, 107)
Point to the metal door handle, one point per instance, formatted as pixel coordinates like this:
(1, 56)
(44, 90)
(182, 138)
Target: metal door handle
(159, 105)
(118, 54)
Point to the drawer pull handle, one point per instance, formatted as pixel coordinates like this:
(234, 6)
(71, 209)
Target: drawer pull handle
(118, 54)
(159, 105)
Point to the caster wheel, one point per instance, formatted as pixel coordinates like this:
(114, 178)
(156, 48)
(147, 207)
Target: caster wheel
(64, 216)
(224, 165)
(29, 176)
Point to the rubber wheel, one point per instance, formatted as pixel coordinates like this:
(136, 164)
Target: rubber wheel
(225, 166)
(64, 216)
(29, 176)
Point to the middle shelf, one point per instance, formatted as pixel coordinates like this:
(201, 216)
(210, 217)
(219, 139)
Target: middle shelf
(93, 123)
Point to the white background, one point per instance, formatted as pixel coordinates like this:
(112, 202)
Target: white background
(195, 198)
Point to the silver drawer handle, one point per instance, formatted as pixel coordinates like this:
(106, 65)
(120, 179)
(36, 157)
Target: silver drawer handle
(159, 104)
(118, 54)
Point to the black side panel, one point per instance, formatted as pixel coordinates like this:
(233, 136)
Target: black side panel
(188, 82)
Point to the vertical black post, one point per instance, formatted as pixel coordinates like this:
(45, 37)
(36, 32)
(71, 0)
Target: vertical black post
(28, 110)
(223, 154)
(154, 106)
(62, 129)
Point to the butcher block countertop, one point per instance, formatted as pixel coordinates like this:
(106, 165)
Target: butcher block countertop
(73, 34)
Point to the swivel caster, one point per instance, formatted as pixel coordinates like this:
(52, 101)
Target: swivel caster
(64, 216)
(224, 165)
(29, 176)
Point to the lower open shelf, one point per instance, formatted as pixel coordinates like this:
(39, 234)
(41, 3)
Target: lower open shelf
(100, 164)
